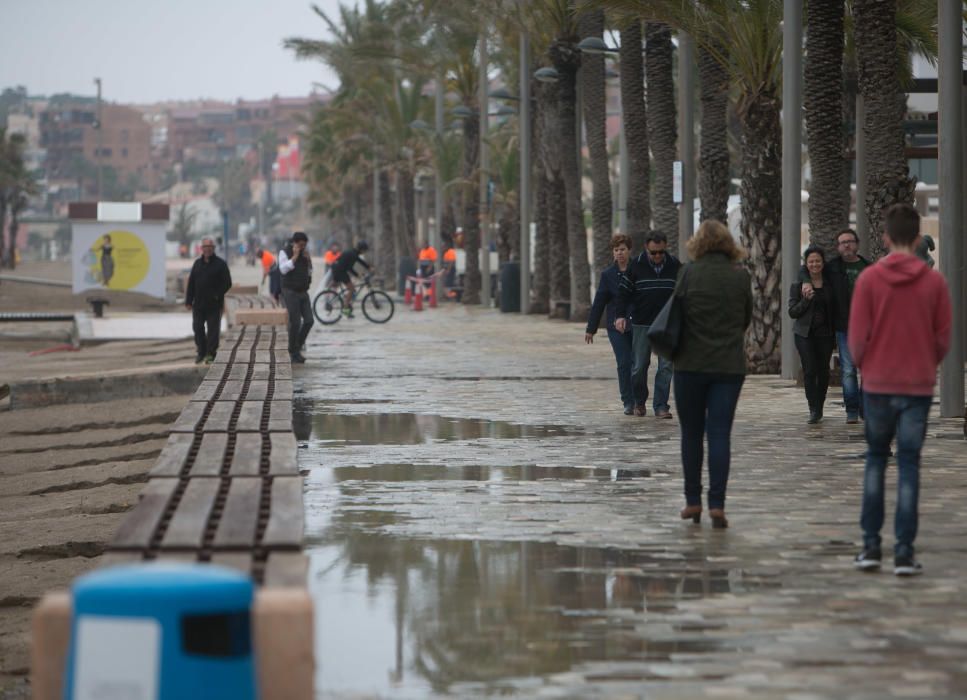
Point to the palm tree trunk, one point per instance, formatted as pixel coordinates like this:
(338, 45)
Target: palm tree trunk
(567, 60)
(888, 181)
(713, 163)
(762, 226)
(471, 211)
(635, 119)
(555, 204)
(387, 239)
(662, 127)
(8, 257)
(593, 94)
(505, 234)
(825, 131)
(407, 212)
(540, 282)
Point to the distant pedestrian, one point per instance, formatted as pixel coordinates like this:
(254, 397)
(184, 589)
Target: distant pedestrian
(267, 260)
(645, 287)
(813, 306)
(208, 282)
(295, 265)
(604, 302)
(899, 333)
(710, 362)
(842, 271)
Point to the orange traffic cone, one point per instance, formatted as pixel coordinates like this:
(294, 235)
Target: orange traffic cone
(418, 301)
(433, 293)
(408, 294)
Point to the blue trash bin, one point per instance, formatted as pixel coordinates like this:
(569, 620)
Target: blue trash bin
(161, 631)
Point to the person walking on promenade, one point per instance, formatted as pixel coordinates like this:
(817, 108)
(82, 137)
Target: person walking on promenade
(710, 362)
(208, 282)
(813, 306)
(604, 298)
(645, 287)
(842, 272)
(296, 268)
(899, 333)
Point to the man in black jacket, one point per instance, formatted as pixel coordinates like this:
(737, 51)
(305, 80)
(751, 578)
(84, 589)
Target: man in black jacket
(296, 268)
(208, 282)
(644, 288)
(842, 272)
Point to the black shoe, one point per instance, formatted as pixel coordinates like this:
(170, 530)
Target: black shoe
(199, 359)
(297, 359)
(813, 418)
(868, 560)
(629, 410)
(906, 565)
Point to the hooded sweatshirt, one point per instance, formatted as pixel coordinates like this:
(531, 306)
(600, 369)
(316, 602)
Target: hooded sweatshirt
(899, 326)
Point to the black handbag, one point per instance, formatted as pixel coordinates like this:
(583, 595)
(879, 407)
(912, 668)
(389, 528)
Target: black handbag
(665, 332)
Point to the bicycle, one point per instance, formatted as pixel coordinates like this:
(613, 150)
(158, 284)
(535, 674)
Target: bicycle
(330, 305)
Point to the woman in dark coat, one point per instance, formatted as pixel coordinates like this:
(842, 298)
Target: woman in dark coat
(604, 300)
(814, 309)
(710, 362)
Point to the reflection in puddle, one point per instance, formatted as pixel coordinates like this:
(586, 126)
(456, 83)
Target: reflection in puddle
(413, 616)
(406, 428)
(527, 472)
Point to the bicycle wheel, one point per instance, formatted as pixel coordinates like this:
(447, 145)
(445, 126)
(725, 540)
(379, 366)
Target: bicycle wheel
(378, 307)
(327, 307)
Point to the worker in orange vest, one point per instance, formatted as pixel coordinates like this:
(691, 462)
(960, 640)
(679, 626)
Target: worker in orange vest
(449, 268)
(428, 258)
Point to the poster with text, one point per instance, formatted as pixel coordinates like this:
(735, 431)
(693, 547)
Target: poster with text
(119, 256)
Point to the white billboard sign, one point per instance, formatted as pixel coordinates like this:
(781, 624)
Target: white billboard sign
(119, 256)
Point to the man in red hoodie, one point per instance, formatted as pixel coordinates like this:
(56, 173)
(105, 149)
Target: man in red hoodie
(899, 325)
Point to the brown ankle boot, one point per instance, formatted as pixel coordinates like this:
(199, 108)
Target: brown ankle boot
(719, 521)
(693, 512)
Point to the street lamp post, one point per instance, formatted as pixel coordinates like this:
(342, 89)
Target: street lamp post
(99, 143)
(524, 128)
(485, 299)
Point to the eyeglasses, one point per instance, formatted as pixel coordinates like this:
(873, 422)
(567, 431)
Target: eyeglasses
(656, 253)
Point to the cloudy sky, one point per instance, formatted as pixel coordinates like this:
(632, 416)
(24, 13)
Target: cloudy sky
(152, 51)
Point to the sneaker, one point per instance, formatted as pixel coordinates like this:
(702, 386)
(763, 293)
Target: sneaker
(209, 359)
(868, 560)
(906, 565)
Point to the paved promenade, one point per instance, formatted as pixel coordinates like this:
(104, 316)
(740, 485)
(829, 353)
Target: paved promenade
(482, 519)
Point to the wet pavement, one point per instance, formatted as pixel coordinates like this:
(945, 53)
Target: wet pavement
(482, 520)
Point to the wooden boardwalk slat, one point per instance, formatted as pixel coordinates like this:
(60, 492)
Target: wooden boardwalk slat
(187, 527)
(286, 570)
(174, 455)
(282, 390)
(139, 525)
(240, 561)
(211, 454)
(250, 418)
(236, 528)
(190, 418)
(284, 455)
(248, 454)
(220, 417)
(257, 390)
(230, 391)
(285, 526)
(205, 391)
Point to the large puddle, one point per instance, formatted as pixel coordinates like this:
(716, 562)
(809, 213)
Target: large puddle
(406, 428)
(411, 617)
(432, 472)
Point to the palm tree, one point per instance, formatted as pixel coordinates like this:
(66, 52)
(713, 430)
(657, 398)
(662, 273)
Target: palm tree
(553, 192)
(662, 129)
(825, 130)
(594, 99)
(635, 118)
(16, 183)
(713, 159)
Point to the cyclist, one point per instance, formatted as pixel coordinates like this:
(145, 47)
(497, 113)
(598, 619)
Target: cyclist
(342, 268)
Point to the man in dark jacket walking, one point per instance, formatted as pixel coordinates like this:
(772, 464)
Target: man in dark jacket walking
(842, 271)
(296, 268)
(208, 283)
(645, 287)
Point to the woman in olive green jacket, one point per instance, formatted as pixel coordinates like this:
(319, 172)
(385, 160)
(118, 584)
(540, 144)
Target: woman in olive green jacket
(710, 362)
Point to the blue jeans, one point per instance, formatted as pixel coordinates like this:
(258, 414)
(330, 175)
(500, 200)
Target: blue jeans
(851, 387)
(706, 405)
(639, 371)
(889, 415)
(622, 346)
